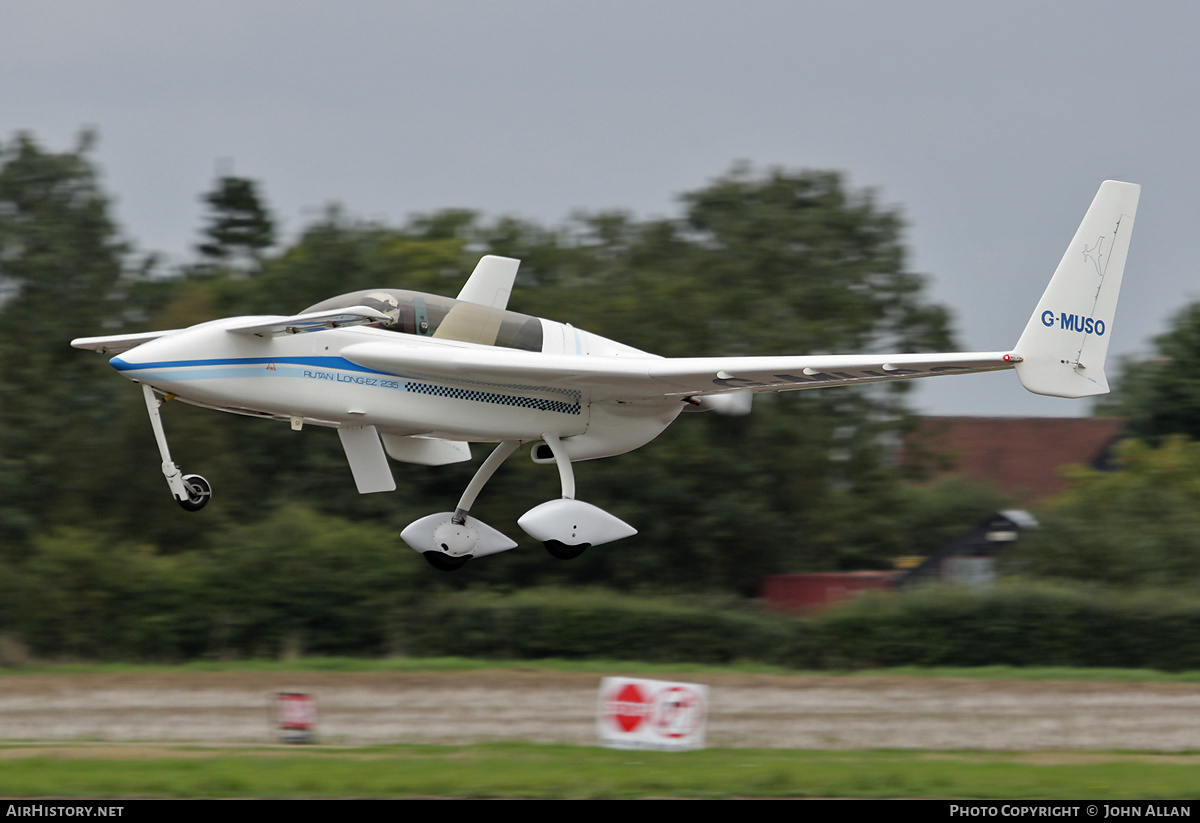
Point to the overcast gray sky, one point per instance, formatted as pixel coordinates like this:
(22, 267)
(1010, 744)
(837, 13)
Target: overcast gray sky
(990, 125)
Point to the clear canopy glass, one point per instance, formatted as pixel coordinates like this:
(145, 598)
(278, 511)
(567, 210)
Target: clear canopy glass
(431, 315)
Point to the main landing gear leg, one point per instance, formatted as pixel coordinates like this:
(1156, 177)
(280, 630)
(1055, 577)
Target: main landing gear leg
(447, 540)
(566, 474)
(191, 491)
(494, 460)
(568, 526)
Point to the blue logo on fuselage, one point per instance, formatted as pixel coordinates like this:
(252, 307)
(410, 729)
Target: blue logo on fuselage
(1074, 322)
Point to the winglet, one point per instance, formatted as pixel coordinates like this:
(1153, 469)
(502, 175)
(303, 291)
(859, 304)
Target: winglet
(1066, 339)
(491, 283)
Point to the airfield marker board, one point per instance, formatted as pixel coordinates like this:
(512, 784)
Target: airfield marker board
(296, 717)
(635, 713)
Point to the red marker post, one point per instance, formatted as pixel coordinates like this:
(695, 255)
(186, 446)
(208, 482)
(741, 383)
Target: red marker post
(296, 717)
(651, 714)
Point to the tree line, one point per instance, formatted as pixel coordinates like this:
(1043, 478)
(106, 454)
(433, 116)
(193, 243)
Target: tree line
(766, 262)
(758, 262)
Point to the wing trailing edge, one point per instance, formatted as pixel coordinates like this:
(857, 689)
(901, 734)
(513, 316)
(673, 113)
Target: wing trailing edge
(658, 378)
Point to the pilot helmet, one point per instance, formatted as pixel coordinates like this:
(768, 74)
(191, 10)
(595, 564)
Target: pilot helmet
(386, 303)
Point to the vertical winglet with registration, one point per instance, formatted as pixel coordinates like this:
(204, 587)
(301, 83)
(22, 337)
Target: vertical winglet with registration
(1065, 342)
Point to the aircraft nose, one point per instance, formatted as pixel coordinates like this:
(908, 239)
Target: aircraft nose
(124, 364)
(139, 357)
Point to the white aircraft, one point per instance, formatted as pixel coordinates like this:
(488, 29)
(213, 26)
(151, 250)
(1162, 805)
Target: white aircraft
(418, 377)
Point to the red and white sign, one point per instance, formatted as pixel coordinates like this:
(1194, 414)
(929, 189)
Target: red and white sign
(296, 716)
(651, 714)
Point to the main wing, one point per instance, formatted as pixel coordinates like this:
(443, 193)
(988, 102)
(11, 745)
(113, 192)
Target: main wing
(1061, 353)
(635, 378)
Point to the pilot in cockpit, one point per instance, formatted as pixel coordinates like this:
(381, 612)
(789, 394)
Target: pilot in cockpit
(389, 305)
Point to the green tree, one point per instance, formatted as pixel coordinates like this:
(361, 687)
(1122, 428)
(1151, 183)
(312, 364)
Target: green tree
(1160, 395)
(239, 224)
(797, 263)
(60, 266)
(1139, 526)
(296, 581)
(85, 594)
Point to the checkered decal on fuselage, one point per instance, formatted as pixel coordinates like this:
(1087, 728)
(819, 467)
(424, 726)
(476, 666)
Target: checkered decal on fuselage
(538, 403)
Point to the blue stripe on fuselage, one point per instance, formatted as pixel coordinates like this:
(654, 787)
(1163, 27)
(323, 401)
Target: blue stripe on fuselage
(181, 370)
(321, 362)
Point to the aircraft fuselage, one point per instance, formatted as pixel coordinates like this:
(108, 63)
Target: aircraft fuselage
(305, 377)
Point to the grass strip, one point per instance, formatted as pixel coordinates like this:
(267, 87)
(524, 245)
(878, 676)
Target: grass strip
(526, 770)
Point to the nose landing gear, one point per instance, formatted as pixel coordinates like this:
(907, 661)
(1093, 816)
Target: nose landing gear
(191, 491)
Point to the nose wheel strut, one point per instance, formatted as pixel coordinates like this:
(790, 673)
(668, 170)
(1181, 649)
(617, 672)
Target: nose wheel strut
(191, 491)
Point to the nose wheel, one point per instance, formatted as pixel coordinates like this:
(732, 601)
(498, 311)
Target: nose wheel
(199, 492)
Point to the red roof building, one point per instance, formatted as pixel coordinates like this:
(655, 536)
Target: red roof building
(815, 592)
(1020, 456)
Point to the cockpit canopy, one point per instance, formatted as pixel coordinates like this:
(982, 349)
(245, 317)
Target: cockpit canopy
(431, 315)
